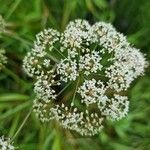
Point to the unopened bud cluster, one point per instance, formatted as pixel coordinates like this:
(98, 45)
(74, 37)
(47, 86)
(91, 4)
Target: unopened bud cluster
(2, 52)
(2, 24)
(82, 75)
(3, 58)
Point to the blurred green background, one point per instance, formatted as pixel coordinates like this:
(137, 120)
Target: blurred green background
(24, 19)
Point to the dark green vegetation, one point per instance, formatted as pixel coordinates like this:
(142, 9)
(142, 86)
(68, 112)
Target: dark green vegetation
(25, 18)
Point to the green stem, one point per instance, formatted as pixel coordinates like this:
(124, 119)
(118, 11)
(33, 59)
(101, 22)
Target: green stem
(21, 126)
(13, 8)
(60, 53)
(64, 88)
(74, 95)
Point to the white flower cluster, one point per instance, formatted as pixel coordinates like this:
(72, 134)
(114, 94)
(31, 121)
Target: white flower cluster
(91, 91)
(75, 34)
(90, 62)
(3, 58)
(72, 118)
(43, 87)
(125, 69)
(5, 144)
(68, 69)
(81, 74)
(38, 60)
(2, 24)
(114, 108)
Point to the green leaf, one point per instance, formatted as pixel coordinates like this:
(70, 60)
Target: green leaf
(6, 97)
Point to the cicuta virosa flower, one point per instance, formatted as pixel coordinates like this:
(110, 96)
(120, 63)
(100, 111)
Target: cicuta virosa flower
(81, 75)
